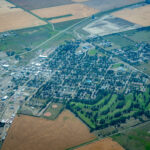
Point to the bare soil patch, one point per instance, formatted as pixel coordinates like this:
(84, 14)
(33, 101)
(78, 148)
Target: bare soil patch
(47, 114)
(105, 144)
(32, 133)
(138, 15)
(12, 18)
(77, 10)
(54, 106)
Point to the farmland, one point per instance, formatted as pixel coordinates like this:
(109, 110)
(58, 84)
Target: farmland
(135, 139)
(77, 10)
(43, 134)
(36, 4)
(138, 15)
(105, 144)
(108, 4)
(15, 18)
(118, 40)
(22, 40)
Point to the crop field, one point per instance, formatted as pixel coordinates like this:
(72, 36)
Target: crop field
(19, 40)
(145, 67)
(105, 144)
(79, 1)
(37, 4)
(138, 15)
(111, 109)
(119, 40)
(139, 35)
(104, 5)
(135, 139)
(77, 10)
(36, 133)
(12, 18)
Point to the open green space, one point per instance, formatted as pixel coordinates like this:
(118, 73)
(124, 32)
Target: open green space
(112, 109)
(145, 67)
(119, 40)
(24, 40)
(135, 139)
(93, 52)
(139, 35)
(54, 109)
(117, 65)
(66, 24)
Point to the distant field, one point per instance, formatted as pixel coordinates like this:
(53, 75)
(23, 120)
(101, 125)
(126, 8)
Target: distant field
(145, 67)
(138, 15)
(118, 40)
(104, 5)
(77, 10)
(18, 40)
(37, 4)
(12, 18)
(28, 133)
(105, 144)
(135, 139)
(139, 35)
(79, 0)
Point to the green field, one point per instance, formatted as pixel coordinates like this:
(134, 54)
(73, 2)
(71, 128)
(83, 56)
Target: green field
(112, 109)
(54, 111)
(135, 139)
(93, 52)
(139, 35)
(145, 67)
(25, 40)
(118, 40)
(66, 24)
(117, 65)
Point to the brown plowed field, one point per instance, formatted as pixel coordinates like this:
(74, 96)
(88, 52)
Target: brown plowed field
(77, 10)
(79, 1)
(140, 15)
(12, 18)
(31, 133)
(105, 144)
(37, 4)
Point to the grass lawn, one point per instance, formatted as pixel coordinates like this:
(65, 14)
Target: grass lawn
(117, 65)
(54, 109)
(139, 36)
(92, 52)
(135, 139)
(18, 40)
(118, 40)
(145, 67)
